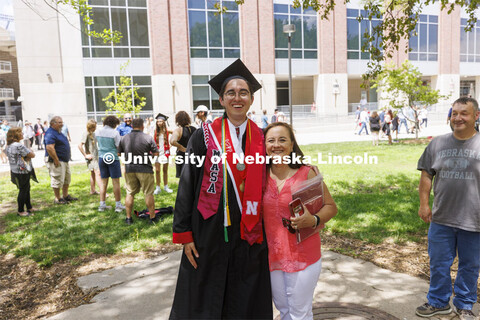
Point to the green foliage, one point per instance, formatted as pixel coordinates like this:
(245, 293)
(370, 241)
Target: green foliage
(84, 10)
(222, 9)
(121, 100)
(404, 87)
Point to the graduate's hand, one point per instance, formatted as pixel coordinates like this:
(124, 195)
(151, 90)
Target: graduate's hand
(190, 251)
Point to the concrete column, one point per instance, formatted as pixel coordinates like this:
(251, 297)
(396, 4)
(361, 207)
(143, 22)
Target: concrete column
(266, 97)
(448, 84)
(332, 59)
(326, 101)
(172, 93)
(477, 88)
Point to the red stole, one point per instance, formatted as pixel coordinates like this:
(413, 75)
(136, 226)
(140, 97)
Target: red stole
(248, 184)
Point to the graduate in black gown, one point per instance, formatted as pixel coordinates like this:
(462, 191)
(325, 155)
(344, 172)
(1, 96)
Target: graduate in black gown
(224, 268)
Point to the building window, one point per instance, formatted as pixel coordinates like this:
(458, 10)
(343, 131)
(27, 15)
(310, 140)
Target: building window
(97, 88)
(304, 40)
(356, 33)
(204, 94)
(213, 35)
(127, 16)
(424, 45)
(469, 43)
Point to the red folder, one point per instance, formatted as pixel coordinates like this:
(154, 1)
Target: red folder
(310, 193)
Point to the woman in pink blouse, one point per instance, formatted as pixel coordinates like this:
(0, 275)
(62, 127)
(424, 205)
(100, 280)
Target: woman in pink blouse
(294, 268)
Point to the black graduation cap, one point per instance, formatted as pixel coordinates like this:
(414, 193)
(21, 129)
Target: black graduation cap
(161, 116)
(236, 70)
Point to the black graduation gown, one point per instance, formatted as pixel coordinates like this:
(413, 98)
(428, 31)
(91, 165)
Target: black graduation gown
(232, 280)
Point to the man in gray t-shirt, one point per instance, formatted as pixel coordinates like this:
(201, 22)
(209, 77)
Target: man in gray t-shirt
(454, 160)
(138, 148)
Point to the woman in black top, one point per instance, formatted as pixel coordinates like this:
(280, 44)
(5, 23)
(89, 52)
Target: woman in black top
(375, 127)
(180, 137)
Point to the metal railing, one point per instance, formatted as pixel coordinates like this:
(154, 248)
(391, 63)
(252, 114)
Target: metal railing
(5, 66)
(300, 111)
(6, 94)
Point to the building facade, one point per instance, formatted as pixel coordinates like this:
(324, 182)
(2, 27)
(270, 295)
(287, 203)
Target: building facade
(173, 47)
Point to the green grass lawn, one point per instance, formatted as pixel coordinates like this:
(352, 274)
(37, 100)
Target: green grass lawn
(375, 202)
(60, 232)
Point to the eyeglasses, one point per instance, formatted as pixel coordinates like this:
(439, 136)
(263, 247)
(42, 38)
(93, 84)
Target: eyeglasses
(127, 118)
(288, 224)
(244, 94)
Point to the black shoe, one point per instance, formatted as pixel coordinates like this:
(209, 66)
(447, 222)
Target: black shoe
(69, 198)
(152, 221)
(129, 221)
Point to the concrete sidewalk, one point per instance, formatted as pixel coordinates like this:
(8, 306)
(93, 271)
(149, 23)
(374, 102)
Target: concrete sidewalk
(144, 290)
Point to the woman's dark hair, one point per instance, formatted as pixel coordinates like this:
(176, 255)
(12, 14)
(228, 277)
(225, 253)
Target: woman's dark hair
(111, 121)
(296, 148)
(182, 119)
(390, 113)
(224, 85)
(14, 135)
(162, 129)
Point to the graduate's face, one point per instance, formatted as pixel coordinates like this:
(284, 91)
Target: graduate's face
(278, 142)
(236, 100)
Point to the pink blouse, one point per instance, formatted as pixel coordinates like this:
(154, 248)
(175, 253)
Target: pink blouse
(283, 251)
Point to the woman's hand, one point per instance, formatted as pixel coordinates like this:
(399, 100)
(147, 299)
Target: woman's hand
(306, 220)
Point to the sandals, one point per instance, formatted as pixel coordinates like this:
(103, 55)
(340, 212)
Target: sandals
(25, 214)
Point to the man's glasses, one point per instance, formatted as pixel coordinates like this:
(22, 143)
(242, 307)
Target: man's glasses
(288, 224)
(127, 118)
(232, 94)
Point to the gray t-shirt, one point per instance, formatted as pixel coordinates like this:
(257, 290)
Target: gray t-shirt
(455, 165)
(15, 152)
(137, 144)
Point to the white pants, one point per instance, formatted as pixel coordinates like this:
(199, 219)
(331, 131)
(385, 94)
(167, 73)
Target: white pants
(293, 292)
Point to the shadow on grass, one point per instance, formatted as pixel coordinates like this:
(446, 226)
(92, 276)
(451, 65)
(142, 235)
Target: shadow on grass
(378, 210)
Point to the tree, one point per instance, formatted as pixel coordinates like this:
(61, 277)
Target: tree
(125, 99)
(404, 86)
(85, 11)
(398, 21)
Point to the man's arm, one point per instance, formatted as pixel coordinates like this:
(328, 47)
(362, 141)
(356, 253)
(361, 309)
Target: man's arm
(53, 154)
(424, 189)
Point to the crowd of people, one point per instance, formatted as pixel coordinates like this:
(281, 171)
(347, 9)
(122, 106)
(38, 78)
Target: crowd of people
(386, 122)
